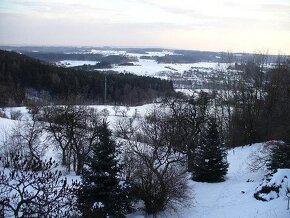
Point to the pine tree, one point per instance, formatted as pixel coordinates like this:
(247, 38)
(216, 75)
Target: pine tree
(280, 156)
(210, 163)
(101, 194)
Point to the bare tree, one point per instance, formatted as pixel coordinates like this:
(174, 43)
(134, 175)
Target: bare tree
(10, 146)
(261, 158)
(59, 126)
(287, 194)
(73, 129)
(116, 109)
(27, 192)
(85, 135)
(30, 134)
(105, 113)
(249, 99)
(154, 169)
(124, 111)
(15, 115)
(136, 114)
(2, 113)
(24, 139)
(185, 122)
(126, 128)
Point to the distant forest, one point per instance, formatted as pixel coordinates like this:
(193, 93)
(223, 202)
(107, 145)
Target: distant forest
(24, 79)
(54, 54)
(55, 57)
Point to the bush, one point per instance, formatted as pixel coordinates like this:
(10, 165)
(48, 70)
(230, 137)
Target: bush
(158, 180)
(36, 189)
(15, 115)
(266, 190)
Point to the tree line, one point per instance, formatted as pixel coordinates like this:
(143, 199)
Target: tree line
(23, 79)
(57, 56)
(258, 103)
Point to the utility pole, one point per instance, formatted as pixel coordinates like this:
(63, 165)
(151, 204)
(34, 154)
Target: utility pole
(105, 93)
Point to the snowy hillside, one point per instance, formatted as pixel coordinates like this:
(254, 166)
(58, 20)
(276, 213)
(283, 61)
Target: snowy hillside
(229, 199)
(232, 198)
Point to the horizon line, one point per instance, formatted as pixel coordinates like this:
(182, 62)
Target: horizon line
(143, 47)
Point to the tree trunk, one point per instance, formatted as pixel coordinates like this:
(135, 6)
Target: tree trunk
(63, 162)
(190, 161)
(79, 165)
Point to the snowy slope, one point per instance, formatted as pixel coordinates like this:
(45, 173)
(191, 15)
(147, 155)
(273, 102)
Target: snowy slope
(230, 199)
(226, 200)
(6, 126)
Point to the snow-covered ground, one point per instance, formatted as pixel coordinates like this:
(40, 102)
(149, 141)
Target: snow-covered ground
(152, 68)
(146, 67)
(234, 197)
(191, 92)
(74, 63)
(193, 75)
(123, 52)
(230, 199)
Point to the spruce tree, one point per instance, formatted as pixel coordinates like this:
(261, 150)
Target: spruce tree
(280, 156)
(210, 156)
(101, 194)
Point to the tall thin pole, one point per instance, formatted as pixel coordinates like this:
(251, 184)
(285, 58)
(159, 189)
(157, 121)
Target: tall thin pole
(105, 94)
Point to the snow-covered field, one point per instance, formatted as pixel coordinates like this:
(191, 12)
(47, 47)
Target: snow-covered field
(152, 68)
(123, 52)
(193, 75)
(230, 199)
(73, 63)
(146, 67)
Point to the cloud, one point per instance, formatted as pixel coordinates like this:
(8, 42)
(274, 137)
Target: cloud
(274, 8)
(207, 24)
(55, 8)
(174, 9)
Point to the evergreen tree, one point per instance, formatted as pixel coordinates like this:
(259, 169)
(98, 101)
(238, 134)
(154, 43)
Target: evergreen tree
(210, 155)
(101, 194)
(280, 156)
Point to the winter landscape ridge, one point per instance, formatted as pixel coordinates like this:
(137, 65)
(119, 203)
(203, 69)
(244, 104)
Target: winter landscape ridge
(209, 107)
(232, 198)
(144, 109)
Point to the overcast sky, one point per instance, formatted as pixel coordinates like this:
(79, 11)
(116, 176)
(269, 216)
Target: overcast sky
(216, 25)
